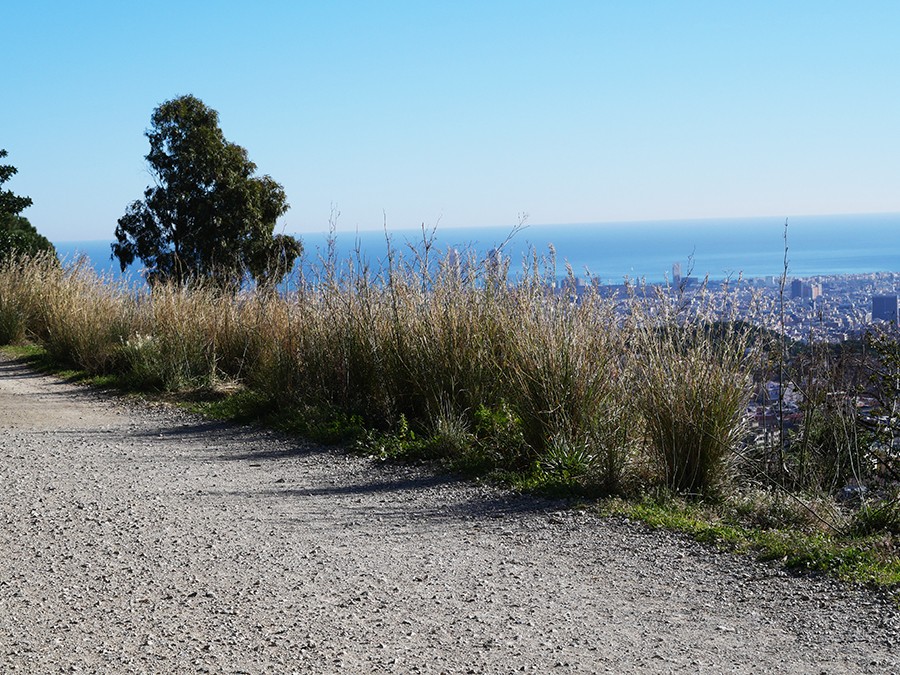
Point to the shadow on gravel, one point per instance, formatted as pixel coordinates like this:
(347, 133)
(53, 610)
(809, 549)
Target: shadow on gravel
(195, 429)
(402, 510)
(476, 508)
(294, 449)
(469, 508)
(19, 368)
(236, 442)
(375, 487)
(416, 498)
(387, 491)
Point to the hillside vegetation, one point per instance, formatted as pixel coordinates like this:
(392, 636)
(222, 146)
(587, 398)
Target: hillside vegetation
(641, 400)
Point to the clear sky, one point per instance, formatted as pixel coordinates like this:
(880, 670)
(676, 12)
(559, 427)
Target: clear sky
(465, 113)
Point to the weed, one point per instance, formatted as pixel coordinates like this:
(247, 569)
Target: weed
(877, 517)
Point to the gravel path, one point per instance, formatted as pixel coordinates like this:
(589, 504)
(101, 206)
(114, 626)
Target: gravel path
(142, 539)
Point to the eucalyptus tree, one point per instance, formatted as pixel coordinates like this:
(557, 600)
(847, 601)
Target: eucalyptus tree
(207, 216)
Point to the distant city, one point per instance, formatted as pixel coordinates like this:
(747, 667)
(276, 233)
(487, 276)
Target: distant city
(831, 308)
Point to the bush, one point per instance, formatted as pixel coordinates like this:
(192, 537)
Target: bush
(83, 319)
(692, 385)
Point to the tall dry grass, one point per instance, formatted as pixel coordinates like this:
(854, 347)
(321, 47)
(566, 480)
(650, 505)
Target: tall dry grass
(692, 383)
(21, 280)
(450, 345)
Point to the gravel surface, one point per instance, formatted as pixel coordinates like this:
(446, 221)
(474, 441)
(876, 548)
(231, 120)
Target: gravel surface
(141, 539)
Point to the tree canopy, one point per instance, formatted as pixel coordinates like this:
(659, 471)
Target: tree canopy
(208, 216)
(17, 235)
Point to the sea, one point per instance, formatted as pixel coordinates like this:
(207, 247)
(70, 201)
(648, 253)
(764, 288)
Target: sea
(614, 252)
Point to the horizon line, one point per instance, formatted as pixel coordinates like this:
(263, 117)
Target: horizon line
(525, 225)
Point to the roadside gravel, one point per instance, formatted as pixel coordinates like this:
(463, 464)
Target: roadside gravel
(141, 539)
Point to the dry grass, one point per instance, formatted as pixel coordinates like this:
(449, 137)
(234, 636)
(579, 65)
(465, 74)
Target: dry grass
(438, 342)
(693, 386)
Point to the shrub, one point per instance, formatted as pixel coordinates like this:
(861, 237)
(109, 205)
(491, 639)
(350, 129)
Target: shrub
(20, 276)
(450, 435)
(82, 319)
(692, 385)
(566, 386)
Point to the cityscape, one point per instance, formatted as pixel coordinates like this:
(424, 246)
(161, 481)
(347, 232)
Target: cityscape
(822, 308)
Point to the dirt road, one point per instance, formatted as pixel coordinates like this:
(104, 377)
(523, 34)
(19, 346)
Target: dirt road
(141, 539)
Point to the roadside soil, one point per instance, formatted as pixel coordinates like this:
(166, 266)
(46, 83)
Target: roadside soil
(141, 539)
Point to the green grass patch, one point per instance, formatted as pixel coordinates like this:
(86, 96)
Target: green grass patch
(245, 406)
(537, 479)
(242, 406)
(323, 425)
(30, 352)
(39, 359)
(872, 559)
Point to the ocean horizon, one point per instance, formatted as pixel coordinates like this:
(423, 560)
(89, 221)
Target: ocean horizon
(613, 252)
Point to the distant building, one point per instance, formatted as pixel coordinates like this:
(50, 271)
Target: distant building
(803, 289)
(884, 308)
(676, 272)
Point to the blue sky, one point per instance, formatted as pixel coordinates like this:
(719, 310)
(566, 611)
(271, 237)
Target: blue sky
(463, 113)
